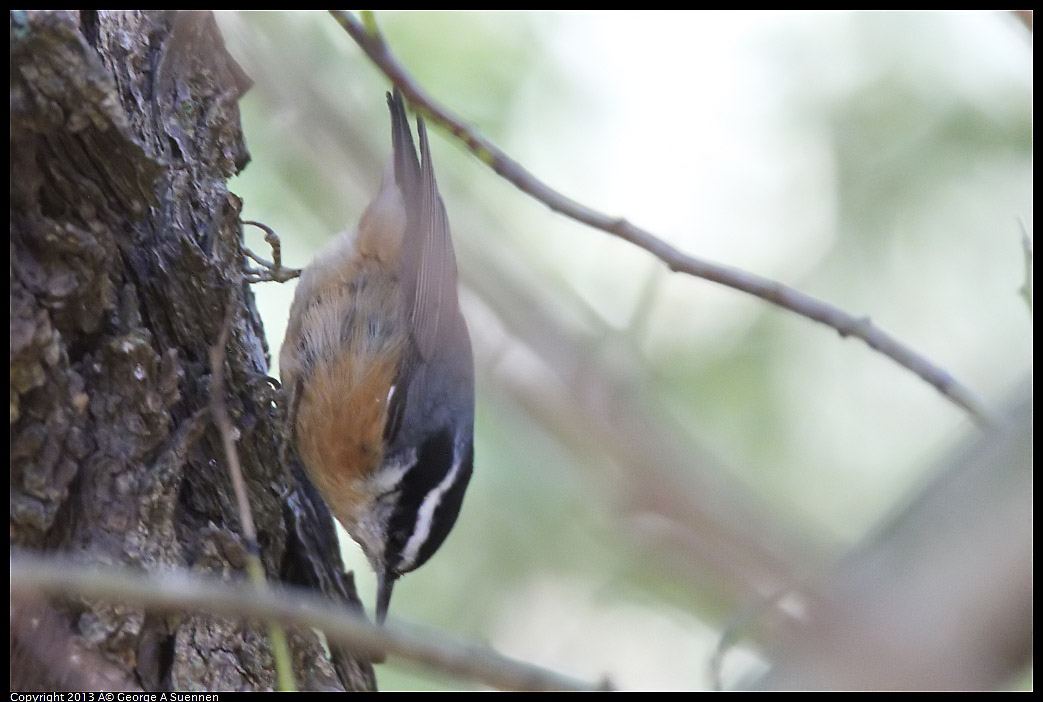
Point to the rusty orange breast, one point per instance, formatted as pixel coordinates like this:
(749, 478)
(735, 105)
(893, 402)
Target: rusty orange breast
(342, 408)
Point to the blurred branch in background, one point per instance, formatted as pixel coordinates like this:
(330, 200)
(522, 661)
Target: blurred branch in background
(941, 597)
(181, 591)
(372, 42)
(676, 499)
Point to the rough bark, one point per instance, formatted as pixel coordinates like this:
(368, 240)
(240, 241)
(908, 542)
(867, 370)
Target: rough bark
(125, 252)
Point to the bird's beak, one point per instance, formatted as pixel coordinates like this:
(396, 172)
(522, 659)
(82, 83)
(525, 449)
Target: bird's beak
(385, 583)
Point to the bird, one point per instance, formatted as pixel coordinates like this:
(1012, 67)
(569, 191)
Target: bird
(379, 370)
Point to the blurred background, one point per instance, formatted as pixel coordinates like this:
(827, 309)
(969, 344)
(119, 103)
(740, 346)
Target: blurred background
(654, 453)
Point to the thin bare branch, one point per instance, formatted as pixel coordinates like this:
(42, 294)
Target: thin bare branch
(178, 591)
(255, 569)
(227, 431)
(368, 37)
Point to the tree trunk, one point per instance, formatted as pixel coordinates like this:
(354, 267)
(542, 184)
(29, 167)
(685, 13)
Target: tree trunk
(125, 254)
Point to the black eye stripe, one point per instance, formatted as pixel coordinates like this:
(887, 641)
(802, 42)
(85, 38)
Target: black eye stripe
(448, 510)
(434, 462)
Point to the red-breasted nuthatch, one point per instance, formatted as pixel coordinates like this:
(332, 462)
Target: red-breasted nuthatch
(377, 361)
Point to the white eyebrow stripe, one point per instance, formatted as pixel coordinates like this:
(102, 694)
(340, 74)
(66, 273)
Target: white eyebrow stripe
(425, 515)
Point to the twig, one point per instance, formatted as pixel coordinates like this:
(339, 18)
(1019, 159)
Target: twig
(254, 568)
(181, 591)
(368, 37)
